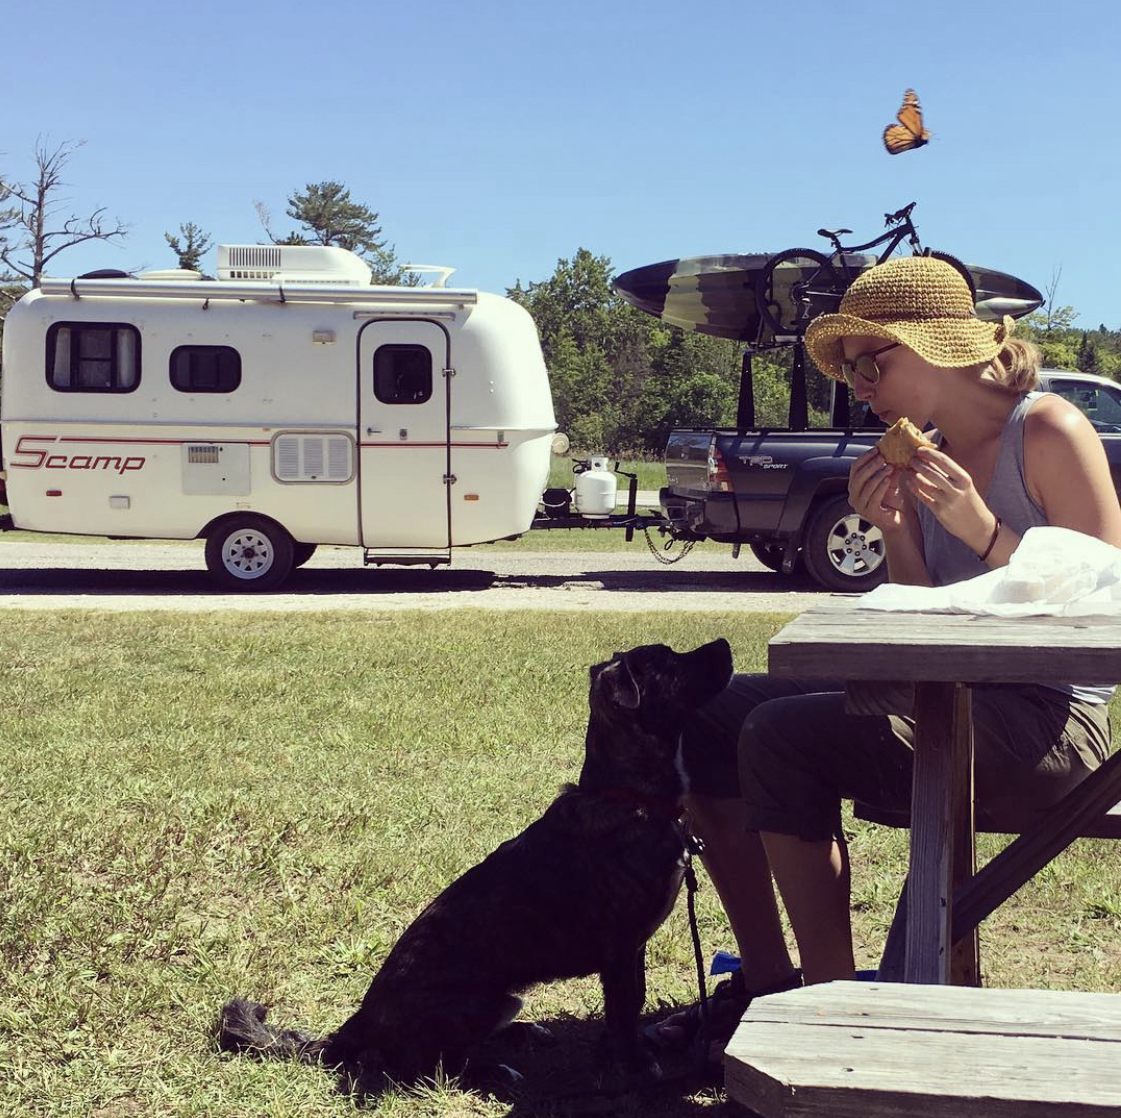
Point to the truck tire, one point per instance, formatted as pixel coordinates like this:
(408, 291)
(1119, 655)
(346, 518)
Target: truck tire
(771, 556)
(841, 551)
(249, 553)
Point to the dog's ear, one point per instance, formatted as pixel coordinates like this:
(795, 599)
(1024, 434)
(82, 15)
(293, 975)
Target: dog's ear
(619, 684)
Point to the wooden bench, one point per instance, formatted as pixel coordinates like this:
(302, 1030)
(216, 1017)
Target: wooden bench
(871, 1050)
(1092, 810)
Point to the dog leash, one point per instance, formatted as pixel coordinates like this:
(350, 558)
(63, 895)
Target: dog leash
(694, 847)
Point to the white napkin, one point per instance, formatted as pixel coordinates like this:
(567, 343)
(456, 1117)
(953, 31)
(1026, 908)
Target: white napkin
(1053, 572)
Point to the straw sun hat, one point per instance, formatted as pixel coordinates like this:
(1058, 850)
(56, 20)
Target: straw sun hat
(921, 301)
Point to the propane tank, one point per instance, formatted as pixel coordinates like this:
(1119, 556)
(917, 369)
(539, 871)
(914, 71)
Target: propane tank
(596, 488)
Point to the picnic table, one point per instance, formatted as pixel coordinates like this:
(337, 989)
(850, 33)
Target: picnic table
(859, 1049)
(941, 654)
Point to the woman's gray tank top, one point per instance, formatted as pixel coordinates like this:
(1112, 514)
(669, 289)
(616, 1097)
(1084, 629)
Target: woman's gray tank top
(949, 559)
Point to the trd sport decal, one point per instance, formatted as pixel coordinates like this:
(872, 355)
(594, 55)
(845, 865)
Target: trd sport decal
(38, 458)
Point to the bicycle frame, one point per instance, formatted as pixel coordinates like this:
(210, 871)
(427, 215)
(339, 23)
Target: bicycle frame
(893, 238)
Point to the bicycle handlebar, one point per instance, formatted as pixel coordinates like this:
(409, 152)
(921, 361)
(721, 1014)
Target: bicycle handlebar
(899, 215)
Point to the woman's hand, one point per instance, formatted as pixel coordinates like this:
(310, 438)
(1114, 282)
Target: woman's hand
(938, 482)
(876, 493)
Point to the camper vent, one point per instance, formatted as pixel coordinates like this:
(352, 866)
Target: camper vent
(203, 454)
(313, 458)
(292, 264)
(253, 256)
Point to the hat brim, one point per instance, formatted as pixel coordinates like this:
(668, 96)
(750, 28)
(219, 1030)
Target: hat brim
(949, 343)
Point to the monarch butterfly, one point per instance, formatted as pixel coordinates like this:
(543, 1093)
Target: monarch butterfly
(909, 132)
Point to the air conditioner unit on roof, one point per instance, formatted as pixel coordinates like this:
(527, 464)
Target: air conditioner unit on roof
(292, 264)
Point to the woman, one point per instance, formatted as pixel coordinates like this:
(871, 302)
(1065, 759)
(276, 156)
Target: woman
(770, 760)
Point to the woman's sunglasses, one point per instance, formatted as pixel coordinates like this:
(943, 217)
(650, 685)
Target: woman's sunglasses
(865, 365)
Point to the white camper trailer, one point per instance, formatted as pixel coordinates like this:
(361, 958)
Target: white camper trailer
(285, 404)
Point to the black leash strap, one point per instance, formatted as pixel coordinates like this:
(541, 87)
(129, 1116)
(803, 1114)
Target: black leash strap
(695, 846)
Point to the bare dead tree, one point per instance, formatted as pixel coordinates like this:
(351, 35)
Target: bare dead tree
(264, 216)
(1056, 318)
(32, 229)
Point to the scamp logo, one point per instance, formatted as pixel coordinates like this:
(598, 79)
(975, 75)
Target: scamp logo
(44, 458)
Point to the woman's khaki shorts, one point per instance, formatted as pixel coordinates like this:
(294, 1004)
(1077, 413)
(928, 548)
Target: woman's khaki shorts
(794, 749)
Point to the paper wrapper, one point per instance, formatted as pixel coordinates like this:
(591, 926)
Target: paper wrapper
(1053, 572)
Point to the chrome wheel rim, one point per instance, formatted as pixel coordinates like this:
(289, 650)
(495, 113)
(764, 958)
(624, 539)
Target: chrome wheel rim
(855, 547)
(247, 554)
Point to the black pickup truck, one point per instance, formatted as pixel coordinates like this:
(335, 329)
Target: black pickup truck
(783, 492)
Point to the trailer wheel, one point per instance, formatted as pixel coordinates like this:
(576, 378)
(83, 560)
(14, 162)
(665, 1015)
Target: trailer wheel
(842, 551)
(301, 553)
(249, 553)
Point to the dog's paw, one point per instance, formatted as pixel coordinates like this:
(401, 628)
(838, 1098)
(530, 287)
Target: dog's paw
(522, 1034)
(489, 1078)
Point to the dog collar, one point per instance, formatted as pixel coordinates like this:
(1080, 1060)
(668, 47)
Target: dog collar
(658, 805)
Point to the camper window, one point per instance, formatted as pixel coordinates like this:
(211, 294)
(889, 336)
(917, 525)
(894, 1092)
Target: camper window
(205, 368)
(402, 374)
(89, 357)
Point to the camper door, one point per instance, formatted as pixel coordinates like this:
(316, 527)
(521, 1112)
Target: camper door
(403, 434)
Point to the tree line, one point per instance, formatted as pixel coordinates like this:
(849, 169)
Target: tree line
(621, 379)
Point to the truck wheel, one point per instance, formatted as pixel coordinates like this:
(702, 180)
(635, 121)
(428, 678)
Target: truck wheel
(301, 553)
(771, 556)
(249, 553)
(842, 551)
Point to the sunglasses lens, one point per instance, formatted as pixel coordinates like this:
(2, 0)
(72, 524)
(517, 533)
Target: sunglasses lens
(868, 369)
(849, 373)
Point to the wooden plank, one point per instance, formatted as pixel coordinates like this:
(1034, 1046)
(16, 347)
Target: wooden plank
(930, 888)
(841, 641)
(891, 1005)
(826, 1071)
(965, 950)
(862, 1050)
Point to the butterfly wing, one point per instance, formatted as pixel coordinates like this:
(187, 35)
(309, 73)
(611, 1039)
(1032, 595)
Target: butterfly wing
(909, 132)
(897, 139)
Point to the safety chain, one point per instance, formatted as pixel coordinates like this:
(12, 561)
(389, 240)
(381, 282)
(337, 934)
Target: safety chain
(686, 547)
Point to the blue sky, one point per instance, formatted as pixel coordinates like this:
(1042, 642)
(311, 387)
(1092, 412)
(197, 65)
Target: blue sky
(498, 137)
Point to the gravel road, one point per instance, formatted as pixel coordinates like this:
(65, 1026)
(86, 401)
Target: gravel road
(49, 574)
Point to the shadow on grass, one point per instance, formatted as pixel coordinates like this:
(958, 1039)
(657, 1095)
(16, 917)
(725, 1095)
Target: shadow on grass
(569, 1077)
(48, 582)
(566, 1076)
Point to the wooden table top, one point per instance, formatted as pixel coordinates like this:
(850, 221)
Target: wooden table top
(870, 1050)
(839, 640)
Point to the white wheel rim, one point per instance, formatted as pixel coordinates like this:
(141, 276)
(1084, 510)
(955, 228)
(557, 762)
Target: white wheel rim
(247, 554)
(855, 547)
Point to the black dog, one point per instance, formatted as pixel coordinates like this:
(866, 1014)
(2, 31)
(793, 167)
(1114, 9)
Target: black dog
(578, 892)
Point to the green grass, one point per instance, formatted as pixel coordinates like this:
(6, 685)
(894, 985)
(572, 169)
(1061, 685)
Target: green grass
(201, 805)
(651, 472)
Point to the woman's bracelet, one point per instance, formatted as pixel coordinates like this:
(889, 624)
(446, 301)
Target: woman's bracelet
(992, 542)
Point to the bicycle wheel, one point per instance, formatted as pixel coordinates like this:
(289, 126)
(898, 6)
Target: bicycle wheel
(954, 262)
(795, 286)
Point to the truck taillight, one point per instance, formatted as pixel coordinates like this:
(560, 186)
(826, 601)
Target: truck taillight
(719, 480)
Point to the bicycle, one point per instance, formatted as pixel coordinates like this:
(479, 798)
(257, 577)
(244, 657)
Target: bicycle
(795, 286)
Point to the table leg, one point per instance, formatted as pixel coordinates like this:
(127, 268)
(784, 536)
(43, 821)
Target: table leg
(965, 957)
(941, 807)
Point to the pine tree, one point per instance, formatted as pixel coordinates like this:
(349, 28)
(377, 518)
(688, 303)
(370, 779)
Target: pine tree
(189, 250)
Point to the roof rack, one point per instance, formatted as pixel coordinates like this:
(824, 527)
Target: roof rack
(205, 290)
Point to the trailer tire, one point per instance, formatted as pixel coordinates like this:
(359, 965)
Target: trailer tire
(841, 551)
(301, 553)
(249, 553)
